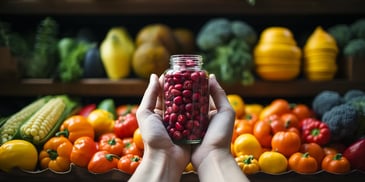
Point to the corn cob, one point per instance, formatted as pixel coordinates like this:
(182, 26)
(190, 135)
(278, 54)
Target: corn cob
(9, 129)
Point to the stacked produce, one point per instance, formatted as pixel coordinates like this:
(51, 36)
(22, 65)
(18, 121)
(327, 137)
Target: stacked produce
(277, 56)
(320, 53)
(273, 138)
(226, 46)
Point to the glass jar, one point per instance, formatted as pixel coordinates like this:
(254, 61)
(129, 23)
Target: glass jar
(186, 99)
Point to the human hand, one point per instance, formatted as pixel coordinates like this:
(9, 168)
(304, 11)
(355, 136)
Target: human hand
(168, 158)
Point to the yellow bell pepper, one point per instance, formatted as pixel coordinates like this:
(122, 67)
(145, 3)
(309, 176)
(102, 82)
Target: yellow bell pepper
(18, 154)
(248, 164)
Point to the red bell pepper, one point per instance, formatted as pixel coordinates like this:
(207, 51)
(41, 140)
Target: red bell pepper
(86, 110)
(315, 131)
(355, 153)
(125, 125)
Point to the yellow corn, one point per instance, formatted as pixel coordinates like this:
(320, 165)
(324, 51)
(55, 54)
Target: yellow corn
(42, 122)
(10, 127)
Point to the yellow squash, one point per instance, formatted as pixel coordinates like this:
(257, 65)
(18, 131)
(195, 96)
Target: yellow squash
(116, 52)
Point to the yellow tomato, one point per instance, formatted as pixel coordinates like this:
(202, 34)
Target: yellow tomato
(247, 144)
(101, 120)
(18, 154)
(237, 104)
(253, 109)
(273, 162)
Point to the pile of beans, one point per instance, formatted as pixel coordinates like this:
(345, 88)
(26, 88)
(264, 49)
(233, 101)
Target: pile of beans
(186, 105)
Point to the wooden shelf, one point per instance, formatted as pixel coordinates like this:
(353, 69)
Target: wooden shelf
(136, 88)
(173, 7)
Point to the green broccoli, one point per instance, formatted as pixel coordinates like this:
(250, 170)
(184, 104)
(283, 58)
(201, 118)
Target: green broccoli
(341, 33)
(352, 93)
(359, 104)
(324, 101)
(358, 28)
(244, 31)
(342, 121)
(214, 33)
(355, 48)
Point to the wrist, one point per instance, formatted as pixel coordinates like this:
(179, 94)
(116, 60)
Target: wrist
(156, 166)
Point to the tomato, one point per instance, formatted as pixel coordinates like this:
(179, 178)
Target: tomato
(273, 162)
(126, 109)
(286, 142)
(76, 126)
(137, 139)
(302, 111)
(265, 129)
(290, 120)
(336, 163)
(111, 143)
(103, 161)
(314, 150)
(253, 109)
(126, 125)
(237, 104)
(130, 147)
(102, 121)
(247, 144)
(303, 163)
(277, 106)
(83, 150)
(129, 163)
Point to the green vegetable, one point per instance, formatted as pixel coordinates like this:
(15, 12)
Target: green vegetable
(108, 105)
(325, 101)
(43, 61)
(214, 33)
(358, 102)
(342, 121)
(72, 53)
(341, 33)
(358, 28)
(226, 47)
(352, 93)
(355, 48)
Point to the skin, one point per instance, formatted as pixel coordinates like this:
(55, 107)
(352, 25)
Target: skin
(165, 161)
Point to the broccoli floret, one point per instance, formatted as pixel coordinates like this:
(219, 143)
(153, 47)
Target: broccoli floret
(359, 104)
(355, 48)
(324, 101)
(244, 31)
(341, 33)
(342, 121)
(350, 94)
(358, 28)
(214, 33)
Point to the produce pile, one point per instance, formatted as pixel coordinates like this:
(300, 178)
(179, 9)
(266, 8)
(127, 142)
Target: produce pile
(233, 50)
(273, 138)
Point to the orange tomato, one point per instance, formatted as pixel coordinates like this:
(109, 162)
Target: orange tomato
(137, 139)
(301, 111)
(243, 126)
(329, 150)
(314, 150)
(263, 132)
(290, 120)
(302, 163)
(126, 108)
(237, 104)
(286, 142)
(336, 163)
(277, 106)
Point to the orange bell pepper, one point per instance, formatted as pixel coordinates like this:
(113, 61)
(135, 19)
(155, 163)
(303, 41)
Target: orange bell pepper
(56, 154)
(129, 163)
(83, 150)
(103, 161)
(76, 126)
